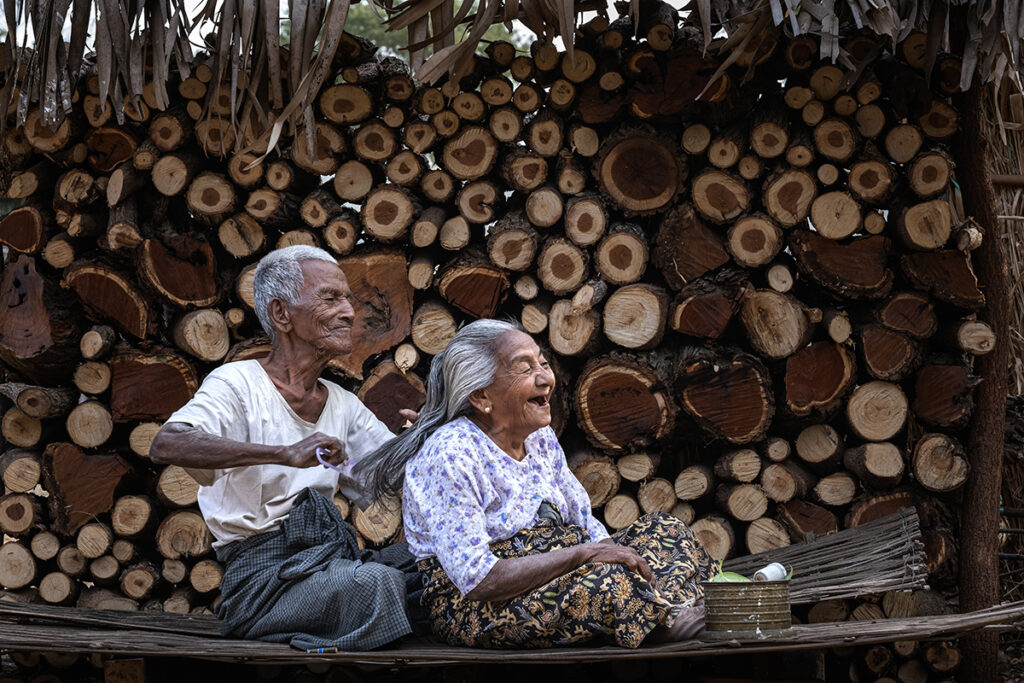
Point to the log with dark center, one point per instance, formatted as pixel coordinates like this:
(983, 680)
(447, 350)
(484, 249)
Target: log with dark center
(388, 211)
(638, 171)
(621, 256)
(480, 201)
(561, 266)
(470, 154)
(787, 196)
(719, 196)
(754, 240)
(512, 242)
(928, 173)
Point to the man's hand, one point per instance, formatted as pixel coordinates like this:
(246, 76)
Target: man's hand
(409, 415)
(613, 553)
(303, 453)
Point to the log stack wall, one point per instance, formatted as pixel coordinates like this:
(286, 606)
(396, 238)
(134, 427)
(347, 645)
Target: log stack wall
(753, 279)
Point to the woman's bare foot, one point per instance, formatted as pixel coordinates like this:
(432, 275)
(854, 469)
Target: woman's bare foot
(688, 623)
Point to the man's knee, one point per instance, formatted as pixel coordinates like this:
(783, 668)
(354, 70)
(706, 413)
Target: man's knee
(381, 578)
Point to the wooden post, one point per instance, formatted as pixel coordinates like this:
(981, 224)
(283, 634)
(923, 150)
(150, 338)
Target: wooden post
(979, 568)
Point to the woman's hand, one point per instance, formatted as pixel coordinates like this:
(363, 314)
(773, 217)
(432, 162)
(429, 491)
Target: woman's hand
(612, 553)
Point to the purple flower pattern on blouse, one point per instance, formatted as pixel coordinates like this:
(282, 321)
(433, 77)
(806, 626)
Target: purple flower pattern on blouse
(462, 492)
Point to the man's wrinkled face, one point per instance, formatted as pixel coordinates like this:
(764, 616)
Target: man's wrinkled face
(323, 315)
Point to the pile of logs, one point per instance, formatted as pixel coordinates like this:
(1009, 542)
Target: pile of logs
(759, 303)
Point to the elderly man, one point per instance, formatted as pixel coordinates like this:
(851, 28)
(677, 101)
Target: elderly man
(270, 434)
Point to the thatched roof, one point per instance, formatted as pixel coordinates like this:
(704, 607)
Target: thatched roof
(242, 38)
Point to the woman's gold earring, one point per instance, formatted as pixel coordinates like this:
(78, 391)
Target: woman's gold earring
(487, 410)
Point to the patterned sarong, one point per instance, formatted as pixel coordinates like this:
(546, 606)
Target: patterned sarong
(595, 601)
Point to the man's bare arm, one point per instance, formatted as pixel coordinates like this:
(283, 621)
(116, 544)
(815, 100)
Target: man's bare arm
(186, 446)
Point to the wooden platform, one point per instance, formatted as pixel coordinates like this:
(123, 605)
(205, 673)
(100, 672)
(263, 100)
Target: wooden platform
(61, 629)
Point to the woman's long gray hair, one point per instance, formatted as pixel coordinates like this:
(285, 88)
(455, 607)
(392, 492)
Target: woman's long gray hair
(467, 364)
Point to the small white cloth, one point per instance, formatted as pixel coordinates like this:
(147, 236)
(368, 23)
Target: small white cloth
(239, 401)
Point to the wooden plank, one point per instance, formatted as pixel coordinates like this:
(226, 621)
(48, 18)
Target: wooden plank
(39, 637)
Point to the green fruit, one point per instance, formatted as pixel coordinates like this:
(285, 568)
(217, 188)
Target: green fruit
(729, 577)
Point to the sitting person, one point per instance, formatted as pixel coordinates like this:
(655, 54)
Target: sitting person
(257, 435)
(509, 549)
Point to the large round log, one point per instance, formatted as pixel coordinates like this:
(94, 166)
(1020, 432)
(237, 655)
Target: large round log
(621, 256)
(685, 248)
(382, 298)
(729, 394)
(857, 269)
(621, 401)
(787, 196)
(470, 154)
(638, 171)
(181, 269)
(81, 486)
(40, 328)
(818, 377)
(149, 386)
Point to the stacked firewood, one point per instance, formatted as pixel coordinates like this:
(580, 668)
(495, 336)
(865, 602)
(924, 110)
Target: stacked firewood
(753, 279)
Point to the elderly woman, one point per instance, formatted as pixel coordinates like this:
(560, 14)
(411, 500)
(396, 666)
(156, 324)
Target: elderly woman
(503, 531)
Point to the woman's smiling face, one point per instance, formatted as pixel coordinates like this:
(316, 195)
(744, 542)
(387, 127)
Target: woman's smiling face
(521, 391)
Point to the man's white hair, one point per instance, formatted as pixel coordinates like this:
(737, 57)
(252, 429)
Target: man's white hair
(279, 276)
